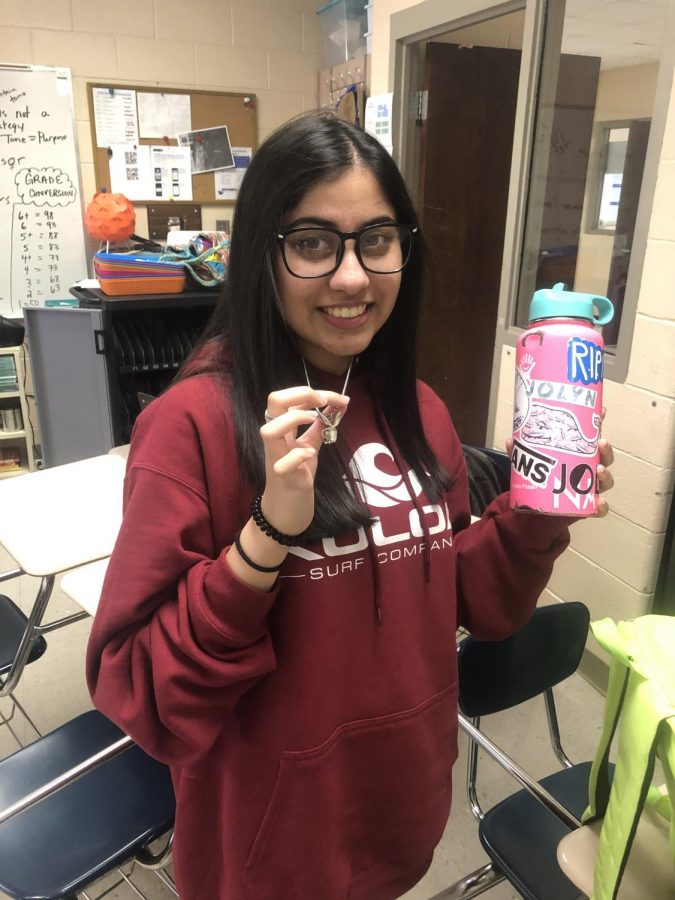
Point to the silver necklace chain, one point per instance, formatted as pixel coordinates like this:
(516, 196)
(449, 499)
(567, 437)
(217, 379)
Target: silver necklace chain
(329, 433)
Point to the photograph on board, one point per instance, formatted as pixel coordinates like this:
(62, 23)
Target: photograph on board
(210, 149)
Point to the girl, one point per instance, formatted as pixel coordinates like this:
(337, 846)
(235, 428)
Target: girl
(278, 620)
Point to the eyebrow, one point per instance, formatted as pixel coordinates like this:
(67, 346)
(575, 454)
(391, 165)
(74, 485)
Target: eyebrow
(327, 223)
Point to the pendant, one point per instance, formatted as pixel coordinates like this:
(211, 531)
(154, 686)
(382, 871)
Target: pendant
(329, 434)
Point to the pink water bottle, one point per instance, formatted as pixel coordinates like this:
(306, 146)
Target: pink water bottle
(558, 404)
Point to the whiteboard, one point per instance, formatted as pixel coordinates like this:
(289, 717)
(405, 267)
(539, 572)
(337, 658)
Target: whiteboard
(41, 223)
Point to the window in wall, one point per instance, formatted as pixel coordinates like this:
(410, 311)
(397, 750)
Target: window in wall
(610, 175)
(592, 129)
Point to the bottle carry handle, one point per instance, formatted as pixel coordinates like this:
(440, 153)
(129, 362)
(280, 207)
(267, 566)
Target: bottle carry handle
(529, 334)
(605, 309)
(603, 305)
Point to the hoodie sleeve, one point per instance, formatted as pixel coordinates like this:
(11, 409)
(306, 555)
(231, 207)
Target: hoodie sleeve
(503, 561)
(177, 638)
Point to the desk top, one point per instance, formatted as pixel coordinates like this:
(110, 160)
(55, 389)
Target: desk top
(62, 517)
(649, 871)
(84, 584)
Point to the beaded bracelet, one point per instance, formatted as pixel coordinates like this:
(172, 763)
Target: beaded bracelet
(249, 561)
(286, 540)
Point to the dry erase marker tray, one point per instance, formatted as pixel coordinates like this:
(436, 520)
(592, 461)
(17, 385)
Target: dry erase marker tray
(120, 274)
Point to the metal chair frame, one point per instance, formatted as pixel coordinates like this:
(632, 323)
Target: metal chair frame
(154, 861)
(488, 876)
(34, 629)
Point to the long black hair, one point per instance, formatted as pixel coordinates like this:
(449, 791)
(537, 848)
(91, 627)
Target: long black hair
(255, 344)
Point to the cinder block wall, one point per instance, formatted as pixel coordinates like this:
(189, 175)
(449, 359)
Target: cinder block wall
(612, 564)
(269, 47)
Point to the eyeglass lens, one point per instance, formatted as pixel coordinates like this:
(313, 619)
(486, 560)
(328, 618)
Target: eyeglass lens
(313, 252)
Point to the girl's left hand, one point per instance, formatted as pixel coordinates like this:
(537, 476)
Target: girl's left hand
(605, 477)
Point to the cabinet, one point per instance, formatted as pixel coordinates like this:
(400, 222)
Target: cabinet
(17, 435)
(94, 366)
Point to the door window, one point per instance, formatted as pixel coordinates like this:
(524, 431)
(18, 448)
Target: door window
(590, 143)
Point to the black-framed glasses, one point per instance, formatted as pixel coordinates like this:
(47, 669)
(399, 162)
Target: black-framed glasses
(311, 251)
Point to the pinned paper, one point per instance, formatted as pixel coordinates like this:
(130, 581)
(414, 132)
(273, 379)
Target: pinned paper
(115, 116)
(130, 171)
(171, 173)
(379, 119)
(163, 115)
(209, 148)
(228, 181)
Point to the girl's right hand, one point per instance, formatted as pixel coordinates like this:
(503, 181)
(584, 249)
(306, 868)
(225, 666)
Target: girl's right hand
(291, 460)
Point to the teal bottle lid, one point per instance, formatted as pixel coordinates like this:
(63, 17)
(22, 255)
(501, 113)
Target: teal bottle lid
(556, 303)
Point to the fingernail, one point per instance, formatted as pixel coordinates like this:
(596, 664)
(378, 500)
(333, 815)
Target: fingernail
(313, 413)
(601, 470)
(345, 397)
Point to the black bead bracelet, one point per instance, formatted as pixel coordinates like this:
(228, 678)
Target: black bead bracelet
(286, 540)
(249, 562)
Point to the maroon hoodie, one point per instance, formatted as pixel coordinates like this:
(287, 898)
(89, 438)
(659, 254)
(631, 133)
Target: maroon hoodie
(311, 747)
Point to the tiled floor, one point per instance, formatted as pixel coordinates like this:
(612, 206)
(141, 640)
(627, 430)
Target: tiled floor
(53, 690)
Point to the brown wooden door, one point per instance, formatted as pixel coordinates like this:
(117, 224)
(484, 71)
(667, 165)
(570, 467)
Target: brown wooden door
(467, 140)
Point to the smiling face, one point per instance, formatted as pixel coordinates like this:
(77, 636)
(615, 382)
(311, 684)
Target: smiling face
(336, 316)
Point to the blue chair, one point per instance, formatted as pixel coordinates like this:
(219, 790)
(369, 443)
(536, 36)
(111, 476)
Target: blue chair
(12, 630)
(521, 833)
(93, 825)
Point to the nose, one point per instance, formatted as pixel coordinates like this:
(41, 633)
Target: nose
(350, 276)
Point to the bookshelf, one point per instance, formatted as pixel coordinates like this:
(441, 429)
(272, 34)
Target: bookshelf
(16, 434)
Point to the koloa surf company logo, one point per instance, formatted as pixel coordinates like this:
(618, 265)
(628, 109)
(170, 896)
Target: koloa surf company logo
(377, 486)
(381, 486)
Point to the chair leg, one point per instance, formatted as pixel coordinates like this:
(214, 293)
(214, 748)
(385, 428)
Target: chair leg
(7, 720)
(24, 713)
(472, 885)
(167, 880)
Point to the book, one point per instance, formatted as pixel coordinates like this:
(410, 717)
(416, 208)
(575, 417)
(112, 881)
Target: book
(10, 459)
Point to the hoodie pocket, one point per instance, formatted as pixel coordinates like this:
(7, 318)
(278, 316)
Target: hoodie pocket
(374, 797)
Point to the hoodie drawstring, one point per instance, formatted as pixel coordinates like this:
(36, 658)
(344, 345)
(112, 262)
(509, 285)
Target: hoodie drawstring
(403, 469)
(372, 552)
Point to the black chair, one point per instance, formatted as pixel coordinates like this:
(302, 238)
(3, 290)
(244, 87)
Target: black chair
(521, 833)
(12, 628)
(94, 824)
(489, 474)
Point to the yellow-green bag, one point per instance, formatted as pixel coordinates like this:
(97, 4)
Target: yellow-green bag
(641, 701)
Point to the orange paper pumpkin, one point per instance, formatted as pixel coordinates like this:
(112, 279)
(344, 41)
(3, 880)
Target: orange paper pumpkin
(110, 217)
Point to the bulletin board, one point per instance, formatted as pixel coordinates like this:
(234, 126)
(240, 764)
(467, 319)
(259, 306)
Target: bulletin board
(208, 109)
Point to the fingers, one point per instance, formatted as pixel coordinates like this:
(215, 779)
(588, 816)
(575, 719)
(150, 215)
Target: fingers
(293, 460)
(508, 443)
(287, 423)
(603, 508)
(279, 402)
(606, 452)
(605, 479)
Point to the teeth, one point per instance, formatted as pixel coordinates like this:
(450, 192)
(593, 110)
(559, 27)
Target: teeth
(345, 312)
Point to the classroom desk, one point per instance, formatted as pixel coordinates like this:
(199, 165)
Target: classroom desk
(84, 584)
(54, 520)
